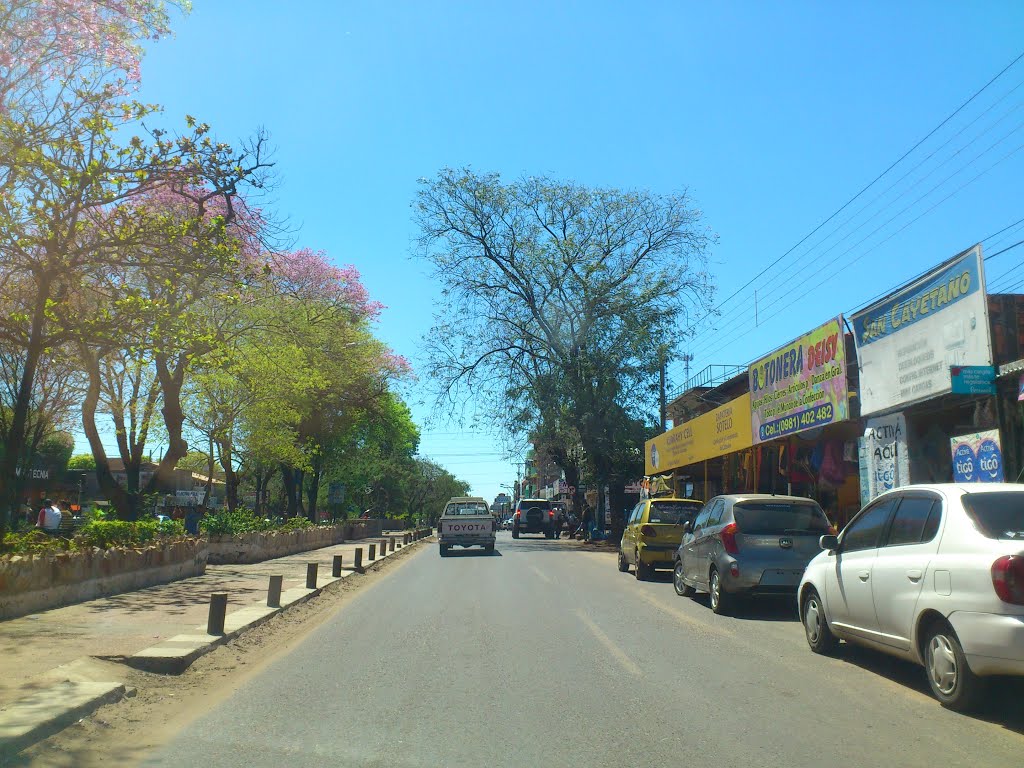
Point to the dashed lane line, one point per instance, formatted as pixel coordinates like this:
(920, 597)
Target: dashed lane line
(617, 653)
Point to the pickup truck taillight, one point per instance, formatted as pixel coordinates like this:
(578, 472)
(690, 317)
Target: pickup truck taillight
(648, 530)
(551, 513)
(517, 514)
(728, 537)
(1008, 579)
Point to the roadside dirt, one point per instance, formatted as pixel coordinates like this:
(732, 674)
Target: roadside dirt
(125, 732)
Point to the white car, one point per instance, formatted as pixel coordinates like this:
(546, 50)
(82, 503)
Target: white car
(929, 573)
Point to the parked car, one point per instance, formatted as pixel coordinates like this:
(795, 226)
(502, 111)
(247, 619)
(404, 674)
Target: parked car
(929, 573)
(533, 516)
(748, 545)
(653, 531)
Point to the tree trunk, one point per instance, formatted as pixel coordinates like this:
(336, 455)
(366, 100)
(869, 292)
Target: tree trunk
(313, 489)
(224, 449)
(292, 479)
(9, 462)
(109, 487)
(617, 496)
(171, 382)
(208, 493)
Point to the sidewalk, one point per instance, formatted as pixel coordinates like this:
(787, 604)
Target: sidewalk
(122, 625)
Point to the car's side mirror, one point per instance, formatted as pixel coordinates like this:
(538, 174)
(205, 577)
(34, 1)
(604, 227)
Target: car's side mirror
(687, 526)
(829, 542)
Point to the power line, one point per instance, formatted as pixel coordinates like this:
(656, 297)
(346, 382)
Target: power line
(864, 189)
(733, 324)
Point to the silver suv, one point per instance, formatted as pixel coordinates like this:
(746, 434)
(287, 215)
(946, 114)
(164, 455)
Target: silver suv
(748, 544)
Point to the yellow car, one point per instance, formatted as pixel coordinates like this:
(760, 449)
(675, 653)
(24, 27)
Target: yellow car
(653, 532)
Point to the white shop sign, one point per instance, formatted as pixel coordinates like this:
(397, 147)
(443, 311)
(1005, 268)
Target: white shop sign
(884, 453)
(907, 342)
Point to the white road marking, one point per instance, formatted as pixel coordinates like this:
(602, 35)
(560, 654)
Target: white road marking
(617, 653)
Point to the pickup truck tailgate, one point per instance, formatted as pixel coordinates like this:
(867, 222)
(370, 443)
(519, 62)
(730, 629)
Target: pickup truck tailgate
(474, 526)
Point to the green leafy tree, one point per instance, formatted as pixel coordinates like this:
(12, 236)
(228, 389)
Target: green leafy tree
(561, 304)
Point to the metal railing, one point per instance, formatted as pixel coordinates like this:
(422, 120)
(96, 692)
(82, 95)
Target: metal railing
(710, 376)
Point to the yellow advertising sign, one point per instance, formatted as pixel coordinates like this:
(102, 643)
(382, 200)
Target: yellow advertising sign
(715, 433)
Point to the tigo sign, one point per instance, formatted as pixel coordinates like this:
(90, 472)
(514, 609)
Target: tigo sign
(977, 458)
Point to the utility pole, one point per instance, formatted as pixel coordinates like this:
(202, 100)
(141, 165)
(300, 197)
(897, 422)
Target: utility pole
(661, 395)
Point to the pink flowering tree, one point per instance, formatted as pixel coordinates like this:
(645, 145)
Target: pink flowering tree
(48, 45)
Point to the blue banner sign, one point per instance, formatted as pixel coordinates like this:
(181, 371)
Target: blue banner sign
(973, 379)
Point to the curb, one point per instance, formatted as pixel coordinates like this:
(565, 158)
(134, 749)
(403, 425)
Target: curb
(175, 655)
(51, 709)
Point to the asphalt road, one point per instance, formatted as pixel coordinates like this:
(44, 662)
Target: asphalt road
(546, 655)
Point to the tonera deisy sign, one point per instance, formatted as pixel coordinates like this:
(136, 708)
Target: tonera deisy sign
(908, 342)
(801, 385)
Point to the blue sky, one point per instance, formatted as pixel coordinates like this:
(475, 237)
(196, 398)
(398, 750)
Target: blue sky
(772, 115)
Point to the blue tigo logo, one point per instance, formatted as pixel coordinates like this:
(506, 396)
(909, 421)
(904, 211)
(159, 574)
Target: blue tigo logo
(965, 464)
(990, 462)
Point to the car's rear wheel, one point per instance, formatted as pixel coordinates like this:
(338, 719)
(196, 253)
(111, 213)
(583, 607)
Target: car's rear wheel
(721, 601)
(643, 571)
(681, 587)
(951, 679)
(488, 548)
(623, 563)
(515, 532)
(444, 550)
(819, 636)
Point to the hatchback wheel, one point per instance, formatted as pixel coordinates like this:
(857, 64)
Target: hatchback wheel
(819, 636)
(682, 589)
(643, 572)
(623, 563)
(721, 601)
(951, 679)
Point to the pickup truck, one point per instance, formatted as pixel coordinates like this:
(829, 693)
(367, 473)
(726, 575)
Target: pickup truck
(466, 522)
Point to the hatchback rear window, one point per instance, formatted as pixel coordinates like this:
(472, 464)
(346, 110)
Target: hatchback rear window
(672, 512)
(998, 515)
(779, 517)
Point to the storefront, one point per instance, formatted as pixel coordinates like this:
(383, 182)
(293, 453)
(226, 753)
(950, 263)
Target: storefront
(698, 454)
(803, 430)
(928, 382)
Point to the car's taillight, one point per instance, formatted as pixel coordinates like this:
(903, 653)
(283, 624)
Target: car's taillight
(648, 530)
(728, 537)
(1008, 578)
(551, 513)
(517, 513)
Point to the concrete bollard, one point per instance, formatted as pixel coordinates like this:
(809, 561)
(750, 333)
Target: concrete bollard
(359, 559)
(372, 553)
(391, 544)
(310, 575)
(218, 609)
(336, 566)
(383, 547)
(274, 592)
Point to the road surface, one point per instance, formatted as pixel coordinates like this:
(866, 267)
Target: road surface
(545, 655)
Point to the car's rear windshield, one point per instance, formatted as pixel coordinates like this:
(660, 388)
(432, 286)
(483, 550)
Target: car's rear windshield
(998, 515)
(466, 509)
(673, 512)
(528, 503)
(780, 517)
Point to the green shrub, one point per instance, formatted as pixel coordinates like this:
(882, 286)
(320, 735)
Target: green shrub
(226, 523)
(296, 524)
(35, 542)
(170, 528)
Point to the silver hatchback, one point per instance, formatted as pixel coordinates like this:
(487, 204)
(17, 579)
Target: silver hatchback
(748, 544)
